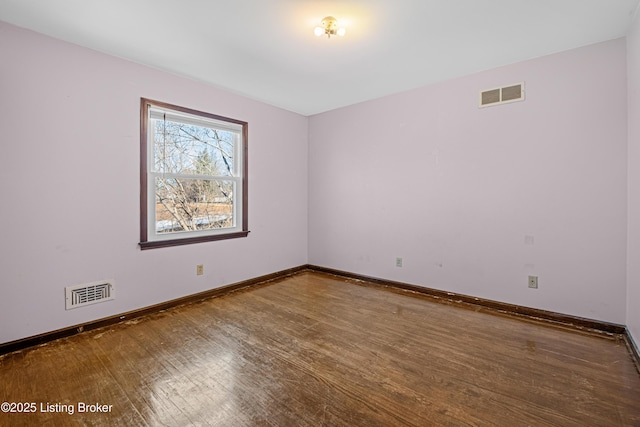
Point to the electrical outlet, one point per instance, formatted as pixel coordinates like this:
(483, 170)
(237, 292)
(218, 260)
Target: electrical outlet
(199, 269)
(533, 282)
(398, 262)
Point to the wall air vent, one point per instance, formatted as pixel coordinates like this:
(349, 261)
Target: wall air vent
(91, 293)
(502, 95)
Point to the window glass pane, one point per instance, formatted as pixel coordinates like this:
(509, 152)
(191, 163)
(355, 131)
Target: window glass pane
(193, 204)
(188, 149)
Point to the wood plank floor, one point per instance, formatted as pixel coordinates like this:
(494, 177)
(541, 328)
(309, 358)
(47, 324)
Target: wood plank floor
(317, 350)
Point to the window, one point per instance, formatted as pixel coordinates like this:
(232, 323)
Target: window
(193, 176)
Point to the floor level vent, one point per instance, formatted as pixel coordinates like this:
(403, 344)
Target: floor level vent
(502, 95)
(91, 293)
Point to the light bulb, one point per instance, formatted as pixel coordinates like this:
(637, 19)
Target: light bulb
(318, 31)
(341, 32)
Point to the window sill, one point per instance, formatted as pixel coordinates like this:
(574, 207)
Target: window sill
(191, 240)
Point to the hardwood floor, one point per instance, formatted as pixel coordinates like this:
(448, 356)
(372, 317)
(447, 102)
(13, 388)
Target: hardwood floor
(314, 350)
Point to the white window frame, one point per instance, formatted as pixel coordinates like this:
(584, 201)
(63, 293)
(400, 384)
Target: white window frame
(155, 110)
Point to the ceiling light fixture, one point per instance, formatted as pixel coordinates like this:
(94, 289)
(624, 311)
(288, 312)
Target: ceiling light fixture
(329, 26)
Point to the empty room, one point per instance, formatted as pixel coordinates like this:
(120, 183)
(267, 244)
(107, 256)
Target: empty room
(320, 213)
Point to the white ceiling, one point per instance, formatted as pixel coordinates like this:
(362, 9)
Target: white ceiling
(266, 49)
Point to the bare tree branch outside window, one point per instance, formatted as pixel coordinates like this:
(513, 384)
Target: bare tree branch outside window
(204, 200)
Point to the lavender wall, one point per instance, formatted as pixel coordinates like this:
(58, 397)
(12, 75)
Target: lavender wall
(475, 200)
(69, 183)
(633, 251)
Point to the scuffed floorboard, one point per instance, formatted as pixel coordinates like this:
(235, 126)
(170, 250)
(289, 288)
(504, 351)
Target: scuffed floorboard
(317, 350)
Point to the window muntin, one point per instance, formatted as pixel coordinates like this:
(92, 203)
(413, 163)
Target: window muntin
(193, 176)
